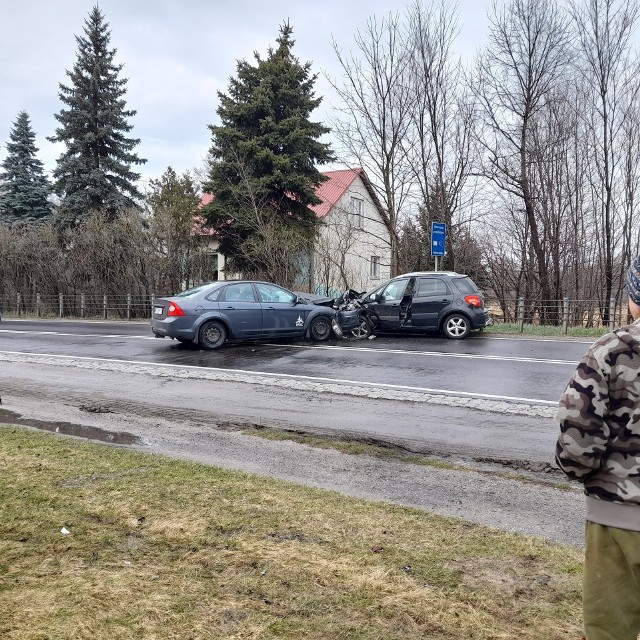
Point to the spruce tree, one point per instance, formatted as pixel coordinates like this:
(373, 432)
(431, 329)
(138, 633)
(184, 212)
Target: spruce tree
(24, 188)
(94, 173)
(264, 153)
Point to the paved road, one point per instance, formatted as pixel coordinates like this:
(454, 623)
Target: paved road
(505, 368)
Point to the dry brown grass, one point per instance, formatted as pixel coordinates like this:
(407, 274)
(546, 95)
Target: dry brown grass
(163, 549)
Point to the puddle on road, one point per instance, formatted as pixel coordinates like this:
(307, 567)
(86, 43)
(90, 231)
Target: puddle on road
(70, 429)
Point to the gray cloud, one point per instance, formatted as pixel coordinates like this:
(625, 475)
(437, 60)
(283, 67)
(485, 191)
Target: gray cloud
(177, 55)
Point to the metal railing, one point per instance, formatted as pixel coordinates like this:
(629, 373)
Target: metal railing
(566, 313)
(79, 305)
(563, 313)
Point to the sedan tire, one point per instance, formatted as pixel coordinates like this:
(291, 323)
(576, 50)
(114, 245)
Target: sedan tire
(212, 335)
(320, 328)
(456, 326)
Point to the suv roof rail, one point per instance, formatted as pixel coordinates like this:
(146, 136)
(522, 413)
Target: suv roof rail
(430, 273)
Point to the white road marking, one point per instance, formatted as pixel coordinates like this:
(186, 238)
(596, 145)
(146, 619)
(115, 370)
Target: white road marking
(19, 356)
(436, 354)
(558, 339)
(79, 335)
(441, 354)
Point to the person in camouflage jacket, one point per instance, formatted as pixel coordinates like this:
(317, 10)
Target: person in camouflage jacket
(599, 446)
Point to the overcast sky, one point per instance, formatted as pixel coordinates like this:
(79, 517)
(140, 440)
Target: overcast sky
(177, 55)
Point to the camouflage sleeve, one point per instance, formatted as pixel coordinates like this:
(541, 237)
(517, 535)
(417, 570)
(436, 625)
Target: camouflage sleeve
(584, 432)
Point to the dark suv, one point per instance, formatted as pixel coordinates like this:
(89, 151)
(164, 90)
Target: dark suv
(428, 301)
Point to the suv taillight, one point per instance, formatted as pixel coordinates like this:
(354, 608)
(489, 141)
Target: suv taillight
(174, 310)
(474, 301)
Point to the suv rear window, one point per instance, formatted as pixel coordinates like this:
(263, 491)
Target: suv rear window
(465, 285)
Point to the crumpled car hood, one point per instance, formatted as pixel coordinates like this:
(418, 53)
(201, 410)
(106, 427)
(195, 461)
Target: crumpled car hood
(321, 301)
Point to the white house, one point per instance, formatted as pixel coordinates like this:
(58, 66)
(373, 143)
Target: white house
(353, 248)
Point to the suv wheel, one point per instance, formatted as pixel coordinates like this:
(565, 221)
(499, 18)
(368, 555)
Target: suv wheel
(456, 326)
(363, 330)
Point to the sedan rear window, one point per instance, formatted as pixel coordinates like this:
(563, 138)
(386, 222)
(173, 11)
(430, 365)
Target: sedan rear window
(465, 285)
(192, 292)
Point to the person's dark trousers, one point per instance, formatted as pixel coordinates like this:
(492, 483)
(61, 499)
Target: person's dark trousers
(611, 588)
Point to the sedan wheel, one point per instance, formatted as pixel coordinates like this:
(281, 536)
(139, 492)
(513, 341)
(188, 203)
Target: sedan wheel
(363, 330)
(212, 335)
(456, 326)
(320, 328)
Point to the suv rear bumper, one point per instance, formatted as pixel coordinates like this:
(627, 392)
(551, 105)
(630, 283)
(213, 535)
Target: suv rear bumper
(480, 319)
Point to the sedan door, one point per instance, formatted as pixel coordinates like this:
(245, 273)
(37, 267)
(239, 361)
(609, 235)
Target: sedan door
(242, 310)
(281, 316)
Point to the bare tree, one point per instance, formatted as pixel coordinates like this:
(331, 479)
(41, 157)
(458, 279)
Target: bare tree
(604, 29)
(516, 76)
(374, 115)
(630, 177)
(333, 272)
(173, 202)
(441, 117)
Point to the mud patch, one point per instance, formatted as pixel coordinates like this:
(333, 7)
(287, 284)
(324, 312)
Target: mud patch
(70, 429)
(521, 465)
(95, 408)
(520, 579)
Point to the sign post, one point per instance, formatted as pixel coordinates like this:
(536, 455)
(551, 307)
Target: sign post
(438, 240)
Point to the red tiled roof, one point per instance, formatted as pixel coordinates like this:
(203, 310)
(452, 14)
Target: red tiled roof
(200, 227)
(331, 190)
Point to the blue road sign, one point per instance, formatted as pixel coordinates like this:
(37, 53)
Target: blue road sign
(438, 238)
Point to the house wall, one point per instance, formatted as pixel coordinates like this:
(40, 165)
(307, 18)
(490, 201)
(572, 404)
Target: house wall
(213, 247)
(344, 251)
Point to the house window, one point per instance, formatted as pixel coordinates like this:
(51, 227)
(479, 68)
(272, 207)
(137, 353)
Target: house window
(210, 265)
(375, 266)
(357, 210)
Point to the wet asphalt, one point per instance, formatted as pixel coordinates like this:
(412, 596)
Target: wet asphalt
(534, 369)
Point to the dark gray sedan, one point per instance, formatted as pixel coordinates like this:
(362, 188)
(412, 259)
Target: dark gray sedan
(213, 313)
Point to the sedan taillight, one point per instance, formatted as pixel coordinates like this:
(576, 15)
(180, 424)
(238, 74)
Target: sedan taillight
(174, 310)
(474, 301)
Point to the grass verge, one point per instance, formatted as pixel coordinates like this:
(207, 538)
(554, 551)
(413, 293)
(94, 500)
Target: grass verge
(510, 328)
(161, 549)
